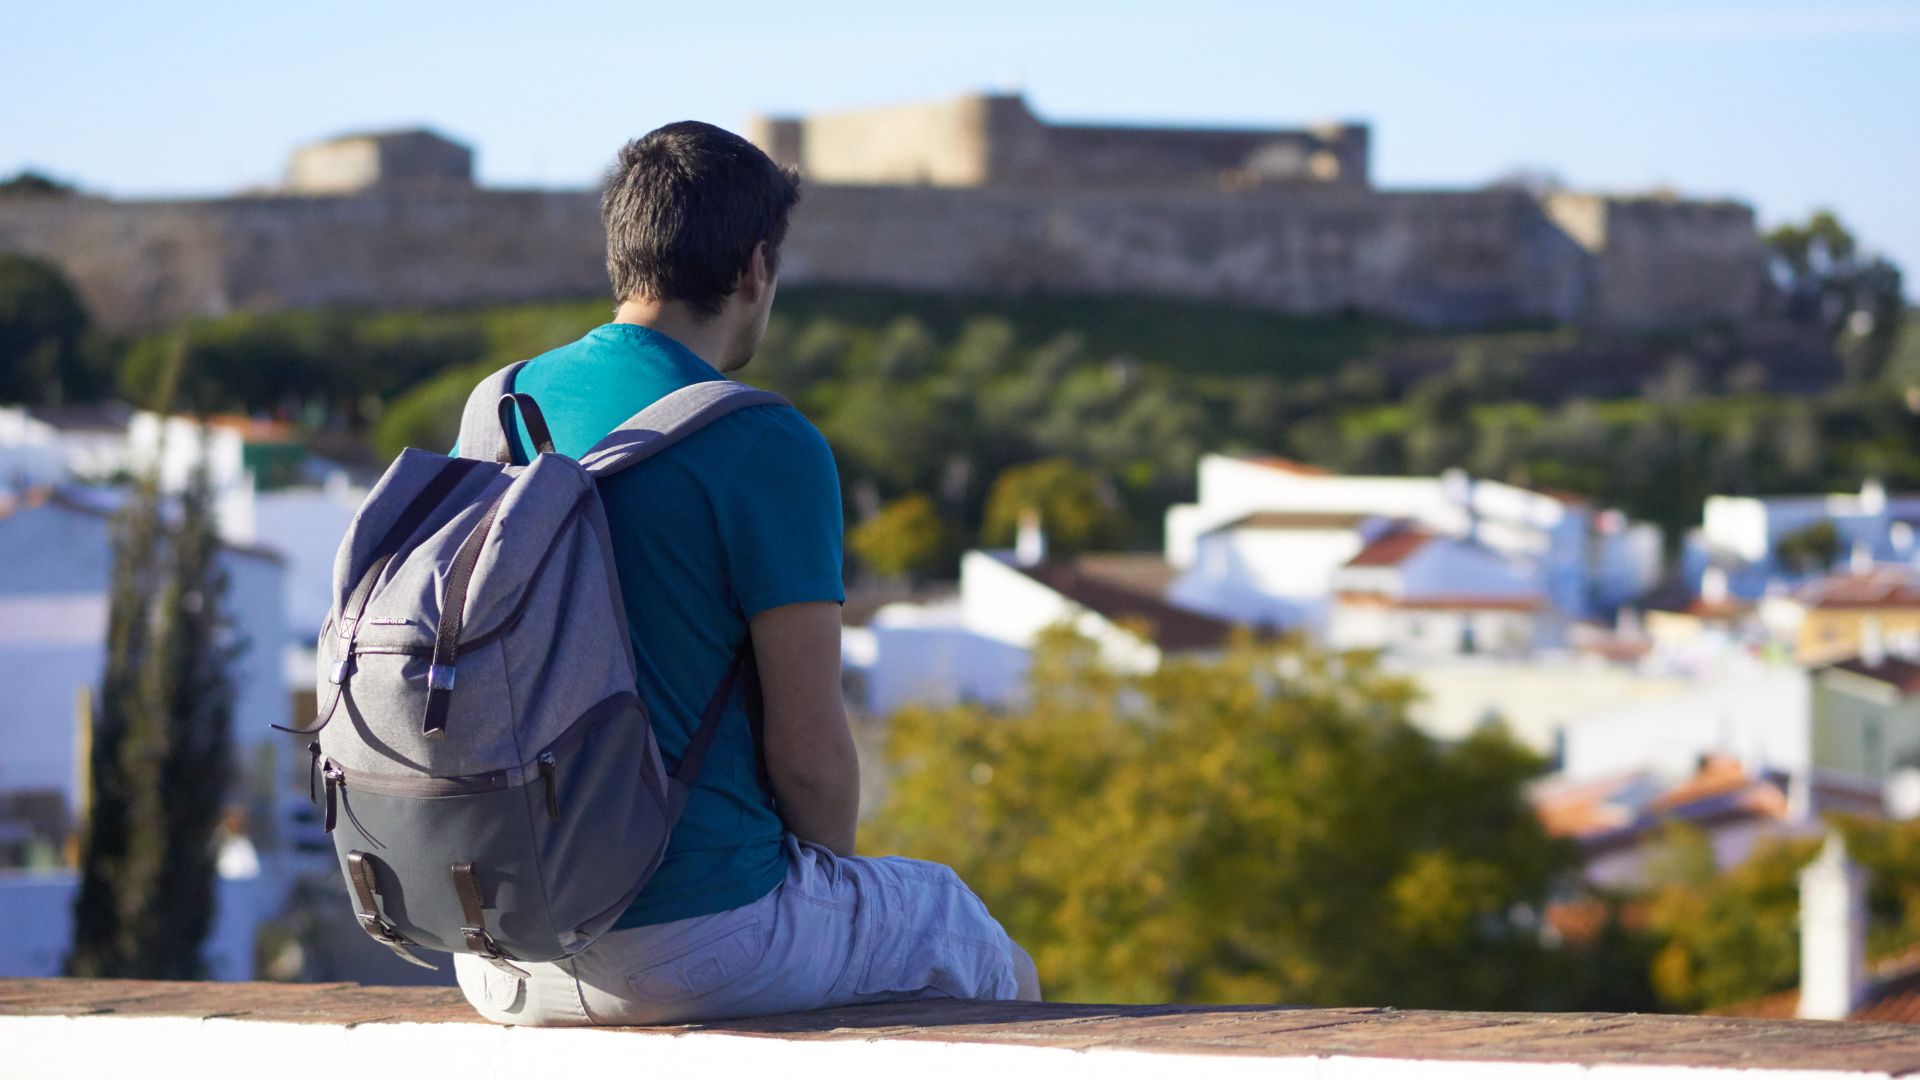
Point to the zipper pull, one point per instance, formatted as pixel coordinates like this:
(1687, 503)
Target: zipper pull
(553, 792)
(313, 767)
(334, 778)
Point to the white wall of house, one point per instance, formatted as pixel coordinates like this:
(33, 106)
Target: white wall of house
(1447, 567)
(55, 567)
(1430, 632)
(175, 445)
(305, 525)
(1536, 698)
(1553, 534)
(37, 910)
(999, 602)
(978, 647)
(1757, 714)
(923, 655)
(1750, 528)
(1265, 575)
(35, 453)
(1627, 563)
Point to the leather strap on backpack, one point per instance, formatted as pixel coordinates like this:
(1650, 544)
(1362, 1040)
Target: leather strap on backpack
(366, 897)
(473, 907)
(741, 669)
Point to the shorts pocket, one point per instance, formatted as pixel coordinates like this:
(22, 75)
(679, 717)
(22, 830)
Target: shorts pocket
(705, 968)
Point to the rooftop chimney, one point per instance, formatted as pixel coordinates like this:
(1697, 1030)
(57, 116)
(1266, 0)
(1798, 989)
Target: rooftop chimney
(1030, 543)
(1873, 643)
(1833, 929)
(1713, 586)
(1861, 559)
(1873, 497)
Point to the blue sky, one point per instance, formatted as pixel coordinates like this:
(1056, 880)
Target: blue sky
(1789, 106)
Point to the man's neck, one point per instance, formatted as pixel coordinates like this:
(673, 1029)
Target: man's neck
(706, 339)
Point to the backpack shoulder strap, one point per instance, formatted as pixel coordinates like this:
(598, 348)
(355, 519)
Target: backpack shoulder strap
(669, 420)
(482, 436)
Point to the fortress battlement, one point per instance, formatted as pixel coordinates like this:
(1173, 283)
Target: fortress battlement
(971, 195)
(981, 140)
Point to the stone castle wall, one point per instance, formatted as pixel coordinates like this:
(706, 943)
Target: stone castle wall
(1659, 261)
(1431, 258)
(994, 139)
(970, 194)
(144, 264)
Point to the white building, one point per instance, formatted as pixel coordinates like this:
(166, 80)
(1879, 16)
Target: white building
(1411, 592)
(41, 447)
(977, 647)
(1744, 533)
(1265, 535)
(55, 570)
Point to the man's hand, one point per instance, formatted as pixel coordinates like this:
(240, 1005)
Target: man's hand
(809, 747)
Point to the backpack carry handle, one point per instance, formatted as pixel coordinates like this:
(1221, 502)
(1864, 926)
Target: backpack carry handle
(536, 422)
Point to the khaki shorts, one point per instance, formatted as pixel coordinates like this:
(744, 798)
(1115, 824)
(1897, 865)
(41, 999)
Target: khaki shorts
(835, 932)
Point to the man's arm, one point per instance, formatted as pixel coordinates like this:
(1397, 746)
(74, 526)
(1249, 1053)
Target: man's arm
(809, 747)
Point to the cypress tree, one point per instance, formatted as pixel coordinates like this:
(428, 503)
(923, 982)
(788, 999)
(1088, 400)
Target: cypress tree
(161, 755)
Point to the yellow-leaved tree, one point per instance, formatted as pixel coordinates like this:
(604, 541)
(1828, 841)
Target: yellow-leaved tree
(1261, 826)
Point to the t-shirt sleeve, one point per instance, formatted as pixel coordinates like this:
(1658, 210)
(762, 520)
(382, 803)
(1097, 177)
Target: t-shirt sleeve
(780, 520)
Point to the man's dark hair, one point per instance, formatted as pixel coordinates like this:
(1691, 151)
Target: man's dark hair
(685, 206)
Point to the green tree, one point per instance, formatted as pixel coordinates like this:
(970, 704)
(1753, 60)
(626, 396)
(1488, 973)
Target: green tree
(42, 325)
(1265, 826)
(1075, 511)
(1829, 279)
(906, 537)
(428, 416)
(1811, 549)
(30, 184)
(160, 760)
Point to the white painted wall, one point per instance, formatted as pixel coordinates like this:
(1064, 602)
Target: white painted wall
(1535, 697)
(1553, 535)
(999, 602)
(53, 615)
(1758, 714)
(305, 525)
(1749, 528)
(937, 661)
(35, 453)
(37, 911)
(1279, 577)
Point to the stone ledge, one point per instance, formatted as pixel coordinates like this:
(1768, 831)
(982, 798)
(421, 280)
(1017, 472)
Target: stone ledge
(75, 1029)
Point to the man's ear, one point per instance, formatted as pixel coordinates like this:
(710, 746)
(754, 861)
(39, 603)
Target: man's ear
(758, 277)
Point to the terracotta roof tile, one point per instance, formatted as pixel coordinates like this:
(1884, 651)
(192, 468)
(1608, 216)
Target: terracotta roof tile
(1442, 602)
(1851, 592)
(1903, 675)
(1119, 588)
(1286, 465)
(1277, 519)
(1393, 548)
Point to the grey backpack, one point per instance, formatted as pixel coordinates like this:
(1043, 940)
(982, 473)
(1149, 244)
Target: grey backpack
(490, 776)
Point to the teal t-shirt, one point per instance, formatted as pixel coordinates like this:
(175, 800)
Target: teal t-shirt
(742, 516)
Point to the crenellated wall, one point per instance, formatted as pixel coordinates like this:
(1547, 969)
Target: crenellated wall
(1453, 258)
(978, 140)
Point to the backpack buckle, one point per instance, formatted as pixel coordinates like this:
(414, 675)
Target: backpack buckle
(440, 677)
(481, 944)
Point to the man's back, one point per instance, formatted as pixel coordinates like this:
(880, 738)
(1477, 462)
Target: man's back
(743, 516)
(736, 527)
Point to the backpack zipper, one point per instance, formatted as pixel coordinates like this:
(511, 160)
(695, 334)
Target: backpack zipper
(416, 786)
(553, 794)
(334, 777)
